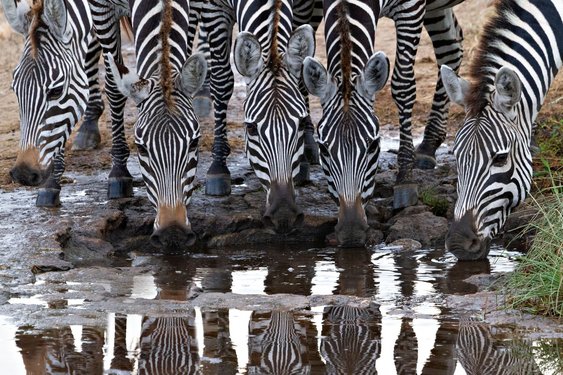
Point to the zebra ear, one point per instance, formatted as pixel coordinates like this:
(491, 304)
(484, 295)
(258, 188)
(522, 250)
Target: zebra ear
(193, 74)
(300, 45)
(508, 90)
(456, 87)
(128, 82)
(248, 55)
(55, 17)
(317, 80)
(17, 15)
(374, 76)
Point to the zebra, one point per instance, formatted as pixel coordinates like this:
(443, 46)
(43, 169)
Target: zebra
(409, 16)
(269, 56)
(54, 351)
(277, 344)
(55, 82)
(519, 54)
(477, 353)
(51, 86)
(351, 339)
(167, 130)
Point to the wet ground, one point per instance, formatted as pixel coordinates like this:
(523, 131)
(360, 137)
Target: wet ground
(82, 291)
(78, 297)
(248, 311)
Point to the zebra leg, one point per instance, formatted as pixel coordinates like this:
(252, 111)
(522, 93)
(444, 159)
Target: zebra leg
(49, 193)
(120, 182)
(88, 135)
(408, 25)
(447, 36)
(219, 24)
(202, 99)
(307, 12)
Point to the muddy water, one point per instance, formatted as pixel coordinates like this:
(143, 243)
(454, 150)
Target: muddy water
(258, 311)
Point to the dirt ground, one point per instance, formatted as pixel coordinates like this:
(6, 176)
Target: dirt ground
(471, 15)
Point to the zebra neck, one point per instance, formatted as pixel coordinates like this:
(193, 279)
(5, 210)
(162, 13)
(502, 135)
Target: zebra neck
(270, 23)
(527, 37)
(147, 20)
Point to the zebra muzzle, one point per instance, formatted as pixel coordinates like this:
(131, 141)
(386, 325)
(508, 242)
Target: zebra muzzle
(352, 226)
(27, 170)
(463, 241)
(282, 212)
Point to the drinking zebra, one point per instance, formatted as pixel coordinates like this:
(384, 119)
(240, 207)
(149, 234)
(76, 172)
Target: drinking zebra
(519, 54)
(55, 82)
(349, 130)
(51, 85)
(269, 56)
(167, 130)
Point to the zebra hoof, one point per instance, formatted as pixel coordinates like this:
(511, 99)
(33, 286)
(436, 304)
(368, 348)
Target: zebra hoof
(86, 140)
(202, 106)
(48, 198)
(218, 185)
(303, 177)
(425, 161)
(120, 187)
(311, 150)
(405, 195)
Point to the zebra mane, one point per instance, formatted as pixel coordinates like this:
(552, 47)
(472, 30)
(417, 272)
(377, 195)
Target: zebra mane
(345, 51)
(35, 14)
(166, 82)
(275, 58)
(480, 73)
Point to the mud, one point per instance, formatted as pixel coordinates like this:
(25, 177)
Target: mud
(83, 291)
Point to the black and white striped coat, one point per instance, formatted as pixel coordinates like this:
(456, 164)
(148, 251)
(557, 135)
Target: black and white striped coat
(167, 129)
(519, 54)
(269, 54)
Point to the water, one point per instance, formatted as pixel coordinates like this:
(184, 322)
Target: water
(258, 311)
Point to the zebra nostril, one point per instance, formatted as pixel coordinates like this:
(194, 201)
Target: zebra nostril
(156, 240)
(34, 178)
(190, 239)
(268, 223)
(299, 220)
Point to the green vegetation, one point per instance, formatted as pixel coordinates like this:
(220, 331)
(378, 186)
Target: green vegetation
(537, 283)
(439, 205)
(548, 163)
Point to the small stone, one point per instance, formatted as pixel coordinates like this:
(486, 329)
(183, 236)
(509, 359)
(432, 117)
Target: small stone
(407, 244)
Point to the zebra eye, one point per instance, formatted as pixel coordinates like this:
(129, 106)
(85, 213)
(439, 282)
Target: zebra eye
(500, 159)
(54, 92)
(252, 129)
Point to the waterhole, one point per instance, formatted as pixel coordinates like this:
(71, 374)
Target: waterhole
(284, 310)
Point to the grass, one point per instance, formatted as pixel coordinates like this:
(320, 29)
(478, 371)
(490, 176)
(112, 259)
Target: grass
(536, 285)
(439, 205)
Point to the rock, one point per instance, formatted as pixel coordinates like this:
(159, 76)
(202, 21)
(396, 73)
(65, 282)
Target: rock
(374, 237)
(514, 235)
(423, 227)
(407, 244)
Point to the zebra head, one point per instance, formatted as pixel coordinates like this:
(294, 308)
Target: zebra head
(493, 159)
(274, 110)
(50, 84)
(167, 134)
(349, 140)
